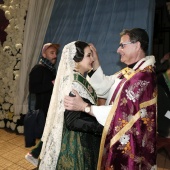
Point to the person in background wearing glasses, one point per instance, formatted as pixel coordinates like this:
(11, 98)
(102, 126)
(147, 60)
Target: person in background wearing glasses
(129, 114)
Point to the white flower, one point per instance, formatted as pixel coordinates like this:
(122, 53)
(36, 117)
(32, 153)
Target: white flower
(1, 99)
(8, 15)
(20, 129)
(124, 139)
(154, 167)
(8, 50)
(7, 98)
(4, 7)
(1, 115)
(11, 108)
(13, 126)
(11, 8)
(143, 112)
(18, 46)
(5, 106)
(8, 124)
(16, 72)
(2, 124)
(15, 12)
(16, 117)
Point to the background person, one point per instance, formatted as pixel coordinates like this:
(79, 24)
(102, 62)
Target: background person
(162, 65)
(163, 81)
(41, 82)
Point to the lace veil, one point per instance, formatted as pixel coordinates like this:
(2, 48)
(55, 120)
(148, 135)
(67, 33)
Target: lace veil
(52, 134)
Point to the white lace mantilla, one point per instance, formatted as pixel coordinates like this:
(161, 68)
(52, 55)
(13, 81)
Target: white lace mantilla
(82, 91)
(52, 135)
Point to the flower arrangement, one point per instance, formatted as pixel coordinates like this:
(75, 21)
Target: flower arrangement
(10, 57)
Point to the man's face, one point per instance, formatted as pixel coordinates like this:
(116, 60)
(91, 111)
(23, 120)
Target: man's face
(127, 50)
(51, 54)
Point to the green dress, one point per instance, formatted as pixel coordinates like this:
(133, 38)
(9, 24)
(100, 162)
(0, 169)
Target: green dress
(75, 156)
(80, 150)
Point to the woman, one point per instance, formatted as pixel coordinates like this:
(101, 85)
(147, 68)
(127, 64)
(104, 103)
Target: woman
(64, 146)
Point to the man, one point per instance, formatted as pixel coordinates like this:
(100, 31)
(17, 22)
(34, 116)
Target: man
(41, 81)
(129, 115)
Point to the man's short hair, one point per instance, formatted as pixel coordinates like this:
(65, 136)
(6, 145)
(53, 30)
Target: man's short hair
(137, 34)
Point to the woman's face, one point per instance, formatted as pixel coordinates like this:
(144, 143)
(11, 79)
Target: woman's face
(86, 64)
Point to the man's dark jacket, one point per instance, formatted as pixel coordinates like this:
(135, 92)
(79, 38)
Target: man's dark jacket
(40, 84)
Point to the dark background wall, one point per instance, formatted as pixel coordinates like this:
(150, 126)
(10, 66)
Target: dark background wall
(161, 36)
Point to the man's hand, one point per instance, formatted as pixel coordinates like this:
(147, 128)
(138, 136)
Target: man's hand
(74, 103)
(96, 63)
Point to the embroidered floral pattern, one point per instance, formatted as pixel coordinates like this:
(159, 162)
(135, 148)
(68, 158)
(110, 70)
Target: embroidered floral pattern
(121, 124)
(138, 126)
(135, 131)
(123, 101)
(126, 148)
(143, 112)
(125, 144)
(72, 49)
(124, 139)
(148, 121)
(131, 92)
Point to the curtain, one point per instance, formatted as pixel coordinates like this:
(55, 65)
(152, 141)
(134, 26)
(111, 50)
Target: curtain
(94, 21)
(100, 22)
(38, 16)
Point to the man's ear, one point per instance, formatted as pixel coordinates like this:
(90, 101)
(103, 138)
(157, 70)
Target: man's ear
(138, 45)
(44, 55)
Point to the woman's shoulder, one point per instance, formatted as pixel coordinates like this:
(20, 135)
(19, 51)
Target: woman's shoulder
(82, 91)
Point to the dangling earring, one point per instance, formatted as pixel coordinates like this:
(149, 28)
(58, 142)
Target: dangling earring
(77, 67)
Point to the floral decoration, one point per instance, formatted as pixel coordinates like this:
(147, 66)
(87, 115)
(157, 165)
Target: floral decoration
(10, 58)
